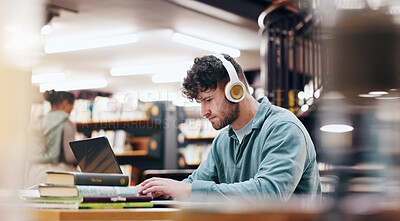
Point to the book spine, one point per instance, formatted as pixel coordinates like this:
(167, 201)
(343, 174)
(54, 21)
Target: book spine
(88, 199)
(106, 190)
(115, 205)
(101, 179)
(55, 199)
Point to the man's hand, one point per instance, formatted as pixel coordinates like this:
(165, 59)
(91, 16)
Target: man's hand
(157, 187)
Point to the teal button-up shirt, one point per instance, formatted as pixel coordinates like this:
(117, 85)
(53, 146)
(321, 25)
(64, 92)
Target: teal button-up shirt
(274, 161)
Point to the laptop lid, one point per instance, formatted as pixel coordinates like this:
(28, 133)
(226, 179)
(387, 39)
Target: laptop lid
(95, 155)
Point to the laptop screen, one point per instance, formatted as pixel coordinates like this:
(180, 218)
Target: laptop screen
(95, 155)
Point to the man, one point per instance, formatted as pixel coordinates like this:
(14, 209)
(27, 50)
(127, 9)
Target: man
(264, 153)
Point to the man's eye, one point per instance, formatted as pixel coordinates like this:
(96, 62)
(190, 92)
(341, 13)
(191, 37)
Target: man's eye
(208, 100)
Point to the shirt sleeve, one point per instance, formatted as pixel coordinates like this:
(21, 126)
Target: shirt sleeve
(69, 130)
(280, 169)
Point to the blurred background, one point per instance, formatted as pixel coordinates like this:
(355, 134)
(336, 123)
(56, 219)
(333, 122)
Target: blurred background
(333, 63)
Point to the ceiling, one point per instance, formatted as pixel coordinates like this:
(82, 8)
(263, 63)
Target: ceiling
(154, 21)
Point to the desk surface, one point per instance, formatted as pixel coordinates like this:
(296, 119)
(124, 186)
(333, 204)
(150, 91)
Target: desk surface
(104, 214)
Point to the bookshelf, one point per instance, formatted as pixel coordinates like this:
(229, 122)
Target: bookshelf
(141, 142)
(195, 136)
(199, 139)
(133, 153)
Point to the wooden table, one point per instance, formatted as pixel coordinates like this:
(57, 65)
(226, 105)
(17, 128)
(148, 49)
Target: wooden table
(103, 214)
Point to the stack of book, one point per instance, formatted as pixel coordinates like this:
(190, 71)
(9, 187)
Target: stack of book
(73, 190)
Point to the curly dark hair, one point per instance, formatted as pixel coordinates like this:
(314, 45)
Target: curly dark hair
(208, 72)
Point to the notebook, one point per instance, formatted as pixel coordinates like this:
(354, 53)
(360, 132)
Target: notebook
(95, 155)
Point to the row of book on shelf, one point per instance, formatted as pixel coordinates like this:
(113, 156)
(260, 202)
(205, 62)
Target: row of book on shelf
(120, 140)
(197, 128)
(194, 154)
(80, 190)
(101, 109)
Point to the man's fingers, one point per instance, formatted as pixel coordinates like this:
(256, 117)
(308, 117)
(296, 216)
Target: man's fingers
(154, 189)
(153, 183)
(139, 188)
(148, 181)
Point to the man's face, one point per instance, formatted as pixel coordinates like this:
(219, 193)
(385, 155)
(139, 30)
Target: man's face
(217, 109)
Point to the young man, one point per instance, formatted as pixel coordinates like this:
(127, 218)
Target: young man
(265, 153)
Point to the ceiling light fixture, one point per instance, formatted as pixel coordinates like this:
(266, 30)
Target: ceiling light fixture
(206, 45)
(337, 128)
(151, 69)
(45, 78)
(58, 47)
(378, 93)
(74, 85)
(369, 95)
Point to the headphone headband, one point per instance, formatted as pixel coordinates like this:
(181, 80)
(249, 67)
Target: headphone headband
(234, 89)
(229, 67)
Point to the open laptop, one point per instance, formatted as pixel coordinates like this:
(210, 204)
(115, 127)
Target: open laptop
(95, 155)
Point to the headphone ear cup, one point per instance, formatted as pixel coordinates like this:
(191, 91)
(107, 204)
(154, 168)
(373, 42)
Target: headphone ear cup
(234, 91)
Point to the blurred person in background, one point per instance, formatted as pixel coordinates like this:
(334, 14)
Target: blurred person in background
(263, 152)
(49, 139)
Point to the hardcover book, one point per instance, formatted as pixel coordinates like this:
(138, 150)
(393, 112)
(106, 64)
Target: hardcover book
(51, 205)
(80, 203)
(88, 199)
(54, 199)
(82, 178)
(49, 190)
(116, 205)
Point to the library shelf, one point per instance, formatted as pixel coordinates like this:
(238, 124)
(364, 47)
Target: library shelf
(133, 153)
(199, 139)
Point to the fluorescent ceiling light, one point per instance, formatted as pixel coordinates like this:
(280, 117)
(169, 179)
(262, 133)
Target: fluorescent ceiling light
(45, 78)
(152, 69)
(369, 95)
(378, 93)
(168, 78)
(206, 45)
(58, 47)
(74, 85)
(337, 128)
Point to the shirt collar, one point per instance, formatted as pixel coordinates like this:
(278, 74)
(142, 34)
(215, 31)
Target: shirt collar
(260, 116)
(261, 113)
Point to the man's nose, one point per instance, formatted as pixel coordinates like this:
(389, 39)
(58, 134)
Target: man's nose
(204, 110)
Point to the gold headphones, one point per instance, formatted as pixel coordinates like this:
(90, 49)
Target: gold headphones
(234, 89)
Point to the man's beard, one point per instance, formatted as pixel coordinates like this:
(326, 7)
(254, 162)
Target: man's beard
(231, 114)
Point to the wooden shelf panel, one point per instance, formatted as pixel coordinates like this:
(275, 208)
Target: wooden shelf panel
(197, 139)
(133, 153)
